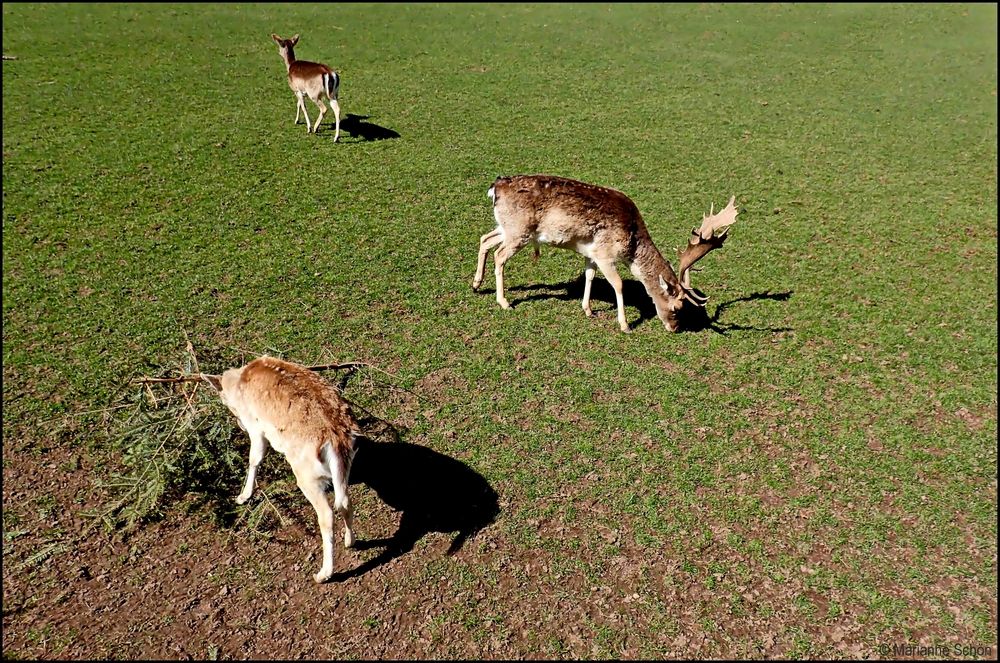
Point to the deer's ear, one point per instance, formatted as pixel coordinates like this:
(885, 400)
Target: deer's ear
(295, 40)
(674, 291)
(215, 381)
(276, 38)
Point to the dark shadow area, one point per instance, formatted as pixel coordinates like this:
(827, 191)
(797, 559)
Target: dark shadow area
(213, 486)
(692, 318)
(436, 493)
(217, 492)
(633, 292)
(357, 127)
(696, 319)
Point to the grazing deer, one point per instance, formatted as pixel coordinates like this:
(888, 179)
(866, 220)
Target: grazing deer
(310, 79)
(604, 226)
(304, 419)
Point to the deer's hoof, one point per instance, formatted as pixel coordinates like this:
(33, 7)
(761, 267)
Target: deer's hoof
(322, 576)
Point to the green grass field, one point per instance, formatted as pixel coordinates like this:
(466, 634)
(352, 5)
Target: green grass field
(814, 476)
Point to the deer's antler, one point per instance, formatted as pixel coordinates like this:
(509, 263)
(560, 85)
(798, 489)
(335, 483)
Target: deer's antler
(702, 241)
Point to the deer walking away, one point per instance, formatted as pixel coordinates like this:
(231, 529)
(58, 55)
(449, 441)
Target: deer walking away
(310, 79)
(292, 409)
(605, 227)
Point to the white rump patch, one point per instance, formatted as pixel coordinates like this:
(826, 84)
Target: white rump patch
(492, 195)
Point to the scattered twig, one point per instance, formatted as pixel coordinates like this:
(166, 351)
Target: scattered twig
(10, 57)
(190, 349)
(337, 367)
(152, 396)
(184, 378)
(193, 368)
(43, 553)
(198, 377)
(281, 518)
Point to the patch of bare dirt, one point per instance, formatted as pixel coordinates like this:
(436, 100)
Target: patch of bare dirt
(446, 569)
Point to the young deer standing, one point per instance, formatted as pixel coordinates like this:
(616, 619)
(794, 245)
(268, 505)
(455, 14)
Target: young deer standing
(604, 226)
(303, 418)
(310, 79)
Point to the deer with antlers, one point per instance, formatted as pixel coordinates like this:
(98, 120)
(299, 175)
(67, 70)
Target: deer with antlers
(310, 79)
(604, 226)
(303, 418)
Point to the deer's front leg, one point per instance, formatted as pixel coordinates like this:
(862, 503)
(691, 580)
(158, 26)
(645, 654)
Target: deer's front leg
(298, 109)
(607, 268)
(257, 447)
(302, 105)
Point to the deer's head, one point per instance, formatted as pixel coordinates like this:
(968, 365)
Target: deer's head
(676, 289)
(225, 386)
(285, 46)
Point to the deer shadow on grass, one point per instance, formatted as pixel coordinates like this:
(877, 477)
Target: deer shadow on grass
(697, 318)
(633, 293)
(691, 318)
(434, 492)
(357, 127)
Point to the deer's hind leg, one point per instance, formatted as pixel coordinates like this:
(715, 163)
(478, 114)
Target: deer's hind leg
(340, 472)
(322, 111)
(590, 268)
(313, 486)
(335, 105)
(506, 251)
(486, 242)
